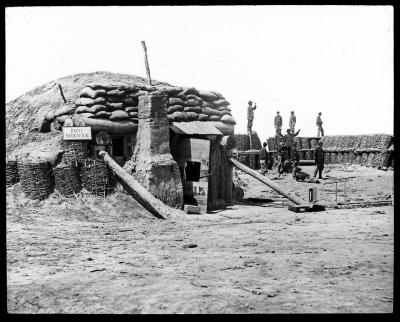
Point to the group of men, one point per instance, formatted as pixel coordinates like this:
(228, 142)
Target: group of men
(278, 121)
(288, 156)
(292, 123)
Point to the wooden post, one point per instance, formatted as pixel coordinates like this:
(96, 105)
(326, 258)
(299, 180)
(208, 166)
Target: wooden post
(61, 92)
(268, 182)
(146, 61)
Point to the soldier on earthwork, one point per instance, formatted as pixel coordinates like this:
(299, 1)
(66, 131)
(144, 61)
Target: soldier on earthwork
(250, 116)
(292, 121)
(278, 123)
(319, 124)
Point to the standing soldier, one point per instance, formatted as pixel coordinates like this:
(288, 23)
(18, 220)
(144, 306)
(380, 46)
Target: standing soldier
(278, 123)
(289, 140)
(263, 159)
(319, 160)
(292, 121)
(281, 157)
(250, 116)
(319, 124)
(278, 138)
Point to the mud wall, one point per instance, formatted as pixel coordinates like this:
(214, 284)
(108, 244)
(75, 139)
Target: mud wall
(152, 163)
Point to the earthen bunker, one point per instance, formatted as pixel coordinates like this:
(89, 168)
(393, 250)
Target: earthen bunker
(173, 140)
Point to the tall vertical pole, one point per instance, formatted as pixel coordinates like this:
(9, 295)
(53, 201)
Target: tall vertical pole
(146, 61)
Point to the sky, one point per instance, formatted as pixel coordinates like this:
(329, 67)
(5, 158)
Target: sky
(337, 60)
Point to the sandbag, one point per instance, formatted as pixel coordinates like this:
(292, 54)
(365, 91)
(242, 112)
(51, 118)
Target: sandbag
(175, 101)
(128, 88)
(228, 119)
(97, 86)
(224, 108)
(170, 117)
(97, 108)
(115, 92)
(84, 109)
(119, 115)
(114, 127)
(65, 109)
(193, 102)
(178, 116)
(208, 104)
(203, 117)
(130, 101)
(214, 118)
(218, 94)
(209, 111)
(225, 113)
(89, 101)
(91, 93)
(133, 114)
(114, 99)
(87, 115)
(189, 90)
(192, 116)
(221, 102)
(103, 114)
(207, 95)
(134, 120)
(131, 109)
(115, 106)
(171, 90)
(195, 97)
(174, 108)
(196, 109)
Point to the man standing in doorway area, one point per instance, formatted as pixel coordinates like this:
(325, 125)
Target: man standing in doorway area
(319, 124)
(292, 121)
(250, 116)
(278, 123)
(319, 160)
(263, 159)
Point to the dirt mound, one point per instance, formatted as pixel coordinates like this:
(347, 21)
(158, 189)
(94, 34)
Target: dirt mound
(21, 113)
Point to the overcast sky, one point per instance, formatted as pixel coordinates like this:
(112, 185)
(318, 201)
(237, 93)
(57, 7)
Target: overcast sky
(337, 60)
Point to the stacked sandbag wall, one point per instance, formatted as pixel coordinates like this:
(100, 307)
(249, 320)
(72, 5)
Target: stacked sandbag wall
(102, 103)
(366, 150)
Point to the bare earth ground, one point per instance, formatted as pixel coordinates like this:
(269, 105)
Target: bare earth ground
(94, 255)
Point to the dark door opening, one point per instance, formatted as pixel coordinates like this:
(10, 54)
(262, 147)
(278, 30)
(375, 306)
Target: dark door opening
(192, 171)
(118, 146)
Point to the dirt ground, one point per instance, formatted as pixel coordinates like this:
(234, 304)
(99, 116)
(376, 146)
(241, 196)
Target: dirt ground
(95, 255)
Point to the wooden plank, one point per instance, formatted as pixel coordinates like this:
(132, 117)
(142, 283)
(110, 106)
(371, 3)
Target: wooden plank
(266, 181)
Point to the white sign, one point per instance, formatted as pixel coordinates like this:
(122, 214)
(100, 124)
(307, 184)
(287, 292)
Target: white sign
(77, 133)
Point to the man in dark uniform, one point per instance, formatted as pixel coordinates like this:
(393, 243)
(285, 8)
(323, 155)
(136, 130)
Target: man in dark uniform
(263, 159)
(288, 139)
(278, 138)
(250, 116)
(281, 157)
(319, 160)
